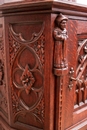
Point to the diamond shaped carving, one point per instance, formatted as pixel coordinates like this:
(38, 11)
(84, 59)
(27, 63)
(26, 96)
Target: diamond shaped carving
(27, 79)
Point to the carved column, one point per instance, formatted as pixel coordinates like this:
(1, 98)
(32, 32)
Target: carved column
(60, 65)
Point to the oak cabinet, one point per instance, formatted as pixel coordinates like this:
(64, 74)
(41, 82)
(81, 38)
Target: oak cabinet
(36, 94)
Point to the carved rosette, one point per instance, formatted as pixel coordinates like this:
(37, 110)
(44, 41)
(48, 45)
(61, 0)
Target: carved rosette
(27, 66)
(27, 79)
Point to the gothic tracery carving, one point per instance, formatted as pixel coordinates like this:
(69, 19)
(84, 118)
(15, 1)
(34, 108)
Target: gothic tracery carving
(81, 86)
(27, 63)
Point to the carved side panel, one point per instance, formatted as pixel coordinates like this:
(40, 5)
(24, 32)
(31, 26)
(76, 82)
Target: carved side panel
(27, 72)
(3, 92)
(81, 72)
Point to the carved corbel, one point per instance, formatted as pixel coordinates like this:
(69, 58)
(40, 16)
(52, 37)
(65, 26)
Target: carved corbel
(60, 40)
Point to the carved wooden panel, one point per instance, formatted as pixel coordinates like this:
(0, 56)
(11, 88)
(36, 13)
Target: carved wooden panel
(76, 94)
(81, 73)
(3, 89)
(81, 68)
(27, 72)
(40, 98)
(78, 69)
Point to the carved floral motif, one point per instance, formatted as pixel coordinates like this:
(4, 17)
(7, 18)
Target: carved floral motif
(15, 104)
(27, 79)
(14, 47)
(39, 48)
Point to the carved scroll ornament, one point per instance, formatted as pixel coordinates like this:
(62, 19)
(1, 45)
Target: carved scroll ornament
(60, 37)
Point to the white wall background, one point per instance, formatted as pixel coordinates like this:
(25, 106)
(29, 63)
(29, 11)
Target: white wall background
(77, 1)
(82, 2)
(5, 1)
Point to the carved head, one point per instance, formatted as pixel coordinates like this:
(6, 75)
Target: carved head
(60, 21)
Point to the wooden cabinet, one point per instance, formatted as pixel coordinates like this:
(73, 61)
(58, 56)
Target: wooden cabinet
(36, 93)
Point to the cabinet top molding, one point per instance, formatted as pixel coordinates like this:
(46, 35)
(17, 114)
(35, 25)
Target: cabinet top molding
(52, 6)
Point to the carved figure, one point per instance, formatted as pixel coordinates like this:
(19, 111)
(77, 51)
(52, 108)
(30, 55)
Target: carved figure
(60, 36)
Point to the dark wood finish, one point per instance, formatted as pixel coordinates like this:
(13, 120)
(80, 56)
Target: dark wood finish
(40, 88)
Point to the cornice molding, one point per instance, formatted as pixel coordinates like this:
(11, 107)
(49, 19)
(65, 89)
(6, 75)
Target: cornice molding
(48, 6)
